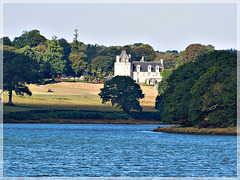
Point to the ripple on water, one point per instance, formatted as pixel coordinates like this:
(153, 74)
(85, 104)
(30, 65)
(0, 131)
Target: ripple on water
(39, 150)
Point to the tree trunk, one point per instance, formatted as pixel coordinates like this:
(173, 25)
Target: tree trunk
(10, 98)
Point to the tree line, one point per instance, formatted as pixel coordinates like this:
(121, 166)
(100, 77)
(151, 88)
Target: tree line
(57, 56)
(201, 92)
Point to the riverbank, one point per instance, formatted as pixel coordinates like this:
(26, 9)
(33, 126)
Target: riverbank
(83, 121)
(193, 130)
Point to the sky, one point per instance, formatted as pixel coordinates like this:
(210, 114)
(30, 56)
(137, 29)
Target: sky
(163, 26)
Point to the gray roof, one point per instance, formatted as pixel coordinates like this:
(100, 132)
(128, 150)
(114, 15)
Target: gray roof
(144, 66)
(123, 56)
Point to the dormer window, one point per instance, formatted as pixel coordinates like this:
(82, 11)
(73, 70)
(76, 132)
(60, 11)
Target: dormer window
(157, 69)
(138, 68)
(149, 68)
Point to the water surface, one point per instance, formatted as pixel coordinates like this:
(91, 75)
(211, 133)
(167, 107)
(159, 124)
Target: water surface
(106, 150)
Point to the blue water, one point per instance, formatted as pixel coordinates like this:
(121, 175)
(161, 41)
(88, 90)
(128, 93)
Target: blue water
(76, 150)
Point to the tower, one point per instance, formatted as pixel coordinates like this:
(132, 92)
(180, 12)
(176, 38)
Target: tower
(122, 66)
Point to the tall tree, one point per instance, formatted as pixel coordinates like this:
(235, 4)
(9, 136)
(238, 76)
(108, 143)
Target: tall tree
(18, 71)
(77, 56)
(78, 65)
(54, 58)
(123, 92)
(66, 47)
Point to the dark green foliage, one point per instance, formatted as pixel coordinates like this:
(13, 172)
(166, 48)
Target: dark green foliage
(31, 38)
(162, 87)
(29, 116)
(93, 51)
(7, 41)
(53, 58)
(202, 92)
(159, 104)
(123, 92)
(191, 53)
(170, 60)
(18, 70)
(143, 50)
(105, 63)
(66, 47)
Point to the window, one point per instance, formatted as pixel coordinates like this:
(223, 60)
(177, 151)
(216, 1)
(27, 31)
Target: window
(138, 68)
(157, 69)
(149, 68)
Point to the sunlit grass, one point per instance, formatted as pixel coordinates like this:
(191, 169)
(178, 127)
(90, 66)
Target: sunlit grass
(70, 96)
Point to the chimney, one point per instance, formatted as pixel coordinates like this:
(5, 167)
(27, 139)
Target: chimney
(162, 61)
(142, 60)
(117, 58)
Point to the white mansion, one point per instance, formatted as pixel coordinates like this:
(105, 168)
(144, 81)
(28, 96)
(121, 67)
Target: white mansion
(141, 71)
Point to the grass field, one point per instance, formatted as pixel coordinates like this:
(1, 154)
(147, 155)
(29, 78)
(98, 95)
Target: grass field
(71, 96)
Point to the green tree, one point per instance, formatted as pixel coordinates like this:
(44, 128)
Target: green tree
(93, 51)
(106, 63)
(202, 92)
(31, 38)
(18, 71)
(143, 50)
(66, 47)
(54, 58)
(170, 60)
(77, 64)
(123, 92)
(6, 41)
(191, 53)
(162, 87)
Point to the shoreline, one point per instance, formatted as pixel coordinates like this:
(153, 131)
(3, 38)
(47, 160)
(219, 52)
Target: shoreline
(202, 131)
(82, 121)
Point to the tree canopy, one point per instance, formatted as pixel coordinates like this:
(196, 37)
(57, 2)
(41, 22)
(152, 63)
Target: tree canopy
(202, 92)
(31, 38)
(18, 70)
(57, 56)
(123, 92)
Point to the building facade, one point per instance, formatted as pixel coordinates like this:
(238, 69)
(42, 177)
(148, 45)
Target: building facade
(141, 71)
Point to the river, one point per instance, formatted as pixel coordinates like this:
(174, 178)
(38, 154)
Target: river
(106, 150)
